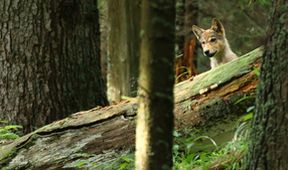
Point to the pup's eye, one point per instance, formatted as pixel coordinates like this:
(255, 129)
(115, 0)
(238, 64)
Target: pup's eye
(212, 39)
(203, 42)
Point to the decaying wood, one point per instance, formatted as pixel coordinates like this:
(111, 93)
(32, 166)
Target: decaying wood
(201, 102)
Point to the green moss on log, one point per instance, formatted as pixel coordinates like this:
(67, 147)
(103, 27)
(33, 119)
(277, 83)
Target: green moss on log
(218, 75)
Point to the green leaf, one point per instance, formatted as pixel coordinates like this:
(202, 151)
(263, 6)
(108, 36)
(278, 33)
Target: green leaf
(209, 138)
(13, 127)
(244, 98)
(80, 163)
(256, 71)
(176, 134)
(246, 117)
(9, 136)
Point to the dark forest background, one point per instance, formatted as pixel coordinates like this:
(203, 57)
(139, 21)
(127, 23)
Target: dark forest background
(245, 23)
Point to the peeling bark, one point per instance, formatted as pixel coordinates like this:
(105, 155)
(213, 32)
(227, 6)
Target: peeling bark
(102, 130)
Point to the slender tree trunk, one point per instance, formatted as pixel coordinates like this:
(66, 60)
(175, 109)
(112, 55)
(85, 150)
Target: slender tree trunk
(180, 33)
(269, 149)
(186, 64)
(155, 112)
(191, 16)
(123, 48)
(50, 62)
(104, 32)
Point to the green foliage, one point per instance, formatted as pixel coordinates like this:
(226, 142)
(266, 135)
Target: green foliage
(9, 132)
(256, 71)
(252, 3)
(123, 161)
(227, 156)
(261, 2)
(244, 98)
(183, 159)
(246, 117)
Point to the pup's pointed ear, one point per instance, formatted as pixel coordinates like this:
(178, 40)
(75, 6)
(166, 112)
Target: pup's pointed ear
(197, 31)
(217, 26)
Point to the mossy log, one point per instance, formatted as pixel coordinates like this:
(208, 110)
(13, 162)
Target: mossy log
(202, 102)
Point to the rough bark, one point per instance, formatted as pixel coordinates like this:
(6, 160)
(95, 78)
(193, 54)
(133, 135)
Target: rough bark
(50, 62)
(102, 131)
(269, 148)
(123, 48)
(154, 131)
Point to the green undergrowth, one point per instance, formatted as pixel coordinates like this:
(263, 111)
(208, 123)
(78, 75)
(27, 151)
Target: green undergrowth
(227, 155)
(111, 160)
(8, 132)
(213, 155)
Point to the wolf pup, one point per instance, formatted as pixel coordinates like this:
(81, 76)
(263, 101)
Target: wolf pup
(214, 43)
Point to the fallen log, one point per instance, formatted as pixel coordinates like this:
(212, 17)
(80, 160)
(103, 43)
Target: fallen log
(202, 102)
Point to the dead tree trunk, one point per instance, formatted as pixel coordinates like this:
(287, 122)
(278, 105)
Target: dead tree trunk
(123, 48)
(208, 99)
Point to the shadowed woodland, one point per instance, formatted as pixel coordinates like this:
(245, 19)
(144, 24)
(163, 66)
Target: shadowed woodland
(145, 85)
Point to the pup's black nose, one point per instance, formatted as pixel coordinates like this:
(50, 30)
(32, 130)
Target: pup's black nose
(208, 54)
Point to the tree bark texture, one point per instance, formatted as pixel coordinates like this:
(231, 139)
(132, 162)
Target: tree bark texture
(269, 148)
(50, 62)
(123, 48)
(101, 131)
(154, 131)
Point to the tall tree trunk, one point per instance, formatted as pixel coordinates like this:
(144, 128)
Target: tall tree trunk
(104, 32)
(180, 34)
(155, 112)
(269, 149)
(123, 48)
(191, 16)
(185, 65)
(50, 62)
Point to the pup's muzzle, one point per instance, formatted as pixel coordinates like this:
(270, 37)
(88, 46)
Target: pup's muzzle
(209, 54)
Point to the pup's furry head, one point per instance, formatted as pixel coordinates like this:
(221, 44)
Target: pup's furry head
(213, 39)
